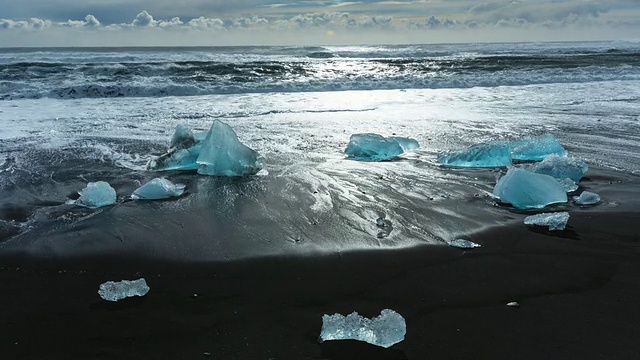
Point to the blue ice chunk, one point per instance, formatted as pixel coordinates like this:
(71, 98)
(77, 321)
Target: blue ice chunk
(536, 148)
(222, 154)
(385, 330)
(483, 155)
(183, 153)
(158, 188)
(372, 147)
(555, 221)
(407, 144)
(561, 167)
(97, 194)
(568, 184)
(526, 190)
(118, 290)
(463, 244)
(587, 198)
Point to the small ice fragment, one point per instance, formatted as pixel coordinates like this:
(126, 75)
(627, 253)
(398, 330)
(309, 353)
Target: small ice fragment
(118, 290)
(372, 147)
(222, 154)
(536, 148)
(555, 221)
(463, 244)
(380, 222)
(483, 155)
(587, 198)
(561, 167)
(527, 190)
(385, 330)
(158, 188)
(568, 184)
(407, 144)
(513, 304)
(97, 194)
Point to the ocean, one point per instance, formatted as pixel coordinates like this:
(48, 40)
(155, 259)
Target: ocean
(245, 267)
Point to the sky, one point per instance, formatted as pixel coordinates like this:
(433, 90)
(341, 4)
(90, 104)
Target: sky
(311, 22)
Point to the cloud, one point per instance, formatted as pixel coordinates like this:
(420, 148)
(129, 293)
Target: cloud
(143, 19)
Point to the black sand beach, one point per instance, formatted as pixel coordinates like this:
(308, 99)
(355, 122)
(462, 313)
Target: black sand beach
(577, 289)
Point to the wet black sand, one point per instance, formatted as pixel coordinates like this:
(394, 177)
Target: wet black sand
(578, 291)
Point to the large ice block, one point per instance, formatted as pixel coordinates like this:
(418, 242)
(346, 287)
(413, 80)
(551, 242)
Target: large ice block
(483, 155)
(183, 152)
(97, 194)
(587, 198)
(536, 148)
(158, 188)
(561, 167)
(384, 330)
(555, 221)
(527, 190)
(118, 290)
(372, 147)
(222, 154)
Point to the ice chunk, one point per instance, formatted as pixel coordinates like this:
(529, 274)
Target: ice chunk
(527, 190)
(587, 198)
(561, 167)
(384, 330)
(182, 138)
(158, 188)
(97, 194)
(372, 147)
(115, 291)
(407, 144)
(222, 154)
(183, 153)
(568, 184)
(483, 155)
(555, 221)
(463, 244)
(536, 148)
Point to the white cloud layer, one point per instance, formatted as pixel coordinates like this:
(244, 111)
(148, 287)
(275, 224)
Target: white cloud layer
(497, 21)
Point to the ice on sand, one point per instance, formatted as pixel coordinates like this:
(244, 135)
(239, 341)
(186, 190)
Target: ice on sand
(587, 198)
(483, 155)
(97, 194)
(374, 147)
(536, 148)
(463, 244)
(182, 155)
(222, 154)
(561, 167)
(158, 188)
(385, 330)
(526, 190)
(555, 221)
(118, 290)
(568, 184)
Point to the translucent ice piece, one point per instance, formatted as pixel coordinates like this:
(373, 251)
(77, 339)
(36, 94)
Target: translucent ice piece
(536, 148)
(97, 194)
(372, 147)
(568, 184)
(384, 330)
(555, 221)
(483, 155)
(527, 190)
(158, 188)
(115, 291)
(407, 144)
(463, 244)
(222, 154)
(176, 159)
(587, 198)
(561, 167)
(182, 138)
